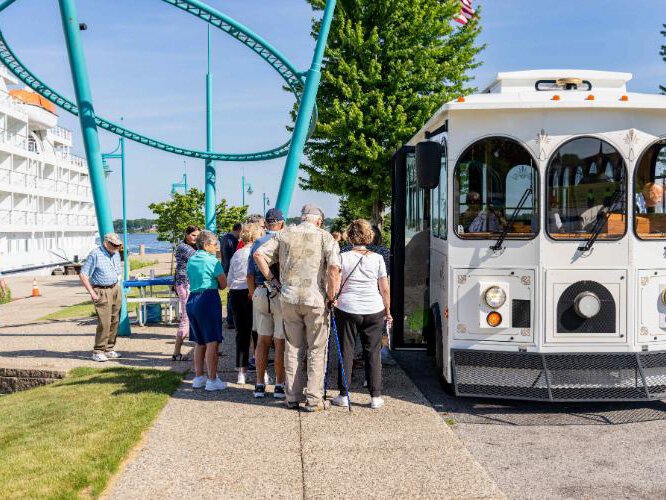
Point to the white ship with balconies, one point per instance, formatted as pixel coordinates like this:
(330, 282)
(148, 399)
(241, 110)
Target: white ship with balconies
(47, 217)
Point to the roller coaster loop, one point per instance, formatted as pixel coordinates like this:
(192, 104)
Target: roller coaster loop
(294, 80)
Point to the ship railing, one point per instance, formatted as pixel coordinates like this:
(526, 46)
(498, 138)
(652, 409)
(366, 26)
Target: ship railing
(11, 101)
(73, 159)
(61, 133)
(49, 218)
(48, 184)
(15, 139)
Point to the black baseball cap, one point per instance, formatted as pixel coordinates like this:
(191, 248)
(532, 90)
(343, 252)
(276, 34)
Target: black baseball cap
(274, 215)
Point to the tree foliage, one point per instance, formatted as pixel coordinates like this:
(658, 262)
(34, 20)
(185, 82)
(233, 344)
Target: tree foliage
(388, 66)
(663, 56)
(174, 215)
(133, 225)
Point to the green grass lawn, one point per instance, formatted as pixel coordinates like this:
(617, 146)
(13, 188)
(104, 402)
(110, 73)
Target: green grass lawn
(137, 263)
(87, 310)
(67, 439)
(82, 310)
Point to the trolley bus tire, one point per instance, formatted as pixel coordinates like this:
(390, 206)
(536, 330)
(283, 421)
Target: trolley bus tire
(447, 386)
(438, 341)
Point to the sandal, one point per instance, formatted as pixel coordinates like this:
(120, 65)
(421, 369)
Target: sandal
(179, 357)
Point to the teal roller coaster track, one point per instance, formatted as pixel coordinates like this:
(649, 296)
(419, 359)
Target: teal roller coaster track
(294, 80)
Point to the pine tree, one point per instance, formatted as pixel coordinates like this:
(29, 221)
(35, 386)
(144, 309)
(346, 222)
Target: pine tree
(663, 56)
(388, 66)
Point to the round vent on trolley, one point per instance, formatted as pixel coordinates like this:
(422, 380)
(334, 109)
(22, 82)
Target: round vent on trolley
(586, 307)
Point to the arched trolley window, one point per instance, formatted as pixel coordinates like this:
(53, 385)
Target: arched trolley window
(649, 200)
(586, 191)
(496, 185)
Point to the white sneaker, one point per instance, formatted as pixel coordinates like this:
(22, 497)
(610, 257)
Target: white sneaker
(376, 403)
(113, 354)
(199, 382)
(241, 378)
(99, 356)
(216, 385)
(340, 400)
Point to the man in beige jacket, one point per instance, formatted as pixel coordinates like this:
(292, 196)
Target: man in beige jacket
(309, 262)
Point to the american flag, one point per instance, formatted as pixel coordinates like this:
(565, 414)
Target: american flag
(466, 12)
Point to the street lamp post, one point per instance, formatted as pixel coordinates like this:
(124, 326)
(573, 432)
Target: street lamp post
(182, 183)
(249, 189)
(267, 202)
(119, 153)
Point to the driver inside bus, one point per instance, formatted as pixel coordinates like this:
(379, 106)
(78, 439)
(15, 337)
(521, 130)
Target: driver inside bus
(476, 219)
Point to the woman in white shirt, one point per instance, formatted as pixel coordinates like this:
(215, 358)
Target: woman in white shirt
(241, 302)
(363, 305)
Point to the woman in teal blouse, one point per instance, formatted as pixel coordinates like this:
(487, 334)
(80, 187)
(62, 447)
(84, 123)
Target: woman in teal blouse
(204, 310)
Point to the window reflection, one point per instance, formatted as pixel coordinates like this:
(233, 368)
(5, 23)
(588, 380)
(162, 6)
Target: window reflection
(491, 178)
(439, 201)
(649, 200)
(595, 199)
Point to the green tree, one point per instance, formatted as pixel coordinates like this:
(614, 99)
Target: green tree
(388, 66)
(174, 215)
(663, 56)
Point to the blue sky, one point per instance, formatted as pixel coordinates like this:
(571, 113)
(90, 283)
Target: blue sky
(146, 62)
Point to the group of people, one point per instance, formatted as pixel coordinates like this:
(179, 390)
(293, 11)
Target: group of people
(283, 283)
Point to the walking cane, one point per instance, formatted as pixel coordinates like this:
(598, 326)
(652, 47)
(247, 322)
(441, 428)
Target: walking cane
(334, 328)
(328, 341)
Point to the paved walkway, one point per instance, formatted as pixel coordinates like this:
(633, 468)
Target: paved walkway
(230, 445)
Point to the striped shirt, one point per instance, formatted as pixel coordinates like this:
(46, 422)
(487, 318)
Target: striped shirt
(102, 267)
(183, 254)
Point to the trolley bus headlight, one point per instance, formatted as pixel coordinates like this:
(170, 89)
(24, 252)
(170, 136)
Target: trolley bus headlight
(663, 296)
(494, 319)
(494, 297)
(587, 305)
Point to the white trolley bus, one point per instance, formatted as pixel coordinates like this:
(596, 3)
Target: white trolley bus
(529, 239)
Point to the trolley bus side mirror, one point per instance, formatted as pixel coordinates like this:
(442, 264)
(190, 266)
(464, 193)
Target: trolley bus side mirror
(428, 164)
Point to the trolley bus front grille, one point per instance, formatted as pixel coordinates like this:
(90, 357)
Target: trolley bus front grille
(560, 377)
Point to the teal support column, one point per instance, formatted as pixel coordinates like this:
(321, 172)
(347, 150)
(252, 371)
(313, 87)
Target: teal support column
(77, 63)
(211, 198)
(290, 173)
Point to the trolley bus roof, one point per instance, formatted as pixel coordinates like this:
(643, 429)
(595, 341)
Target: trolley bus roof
(517, 90)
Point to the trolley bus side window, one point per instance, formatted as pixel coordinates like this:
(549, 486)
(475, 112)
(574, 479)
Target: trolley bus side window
(490, 179)
(439, 199)
(649, 200)
(586, 191)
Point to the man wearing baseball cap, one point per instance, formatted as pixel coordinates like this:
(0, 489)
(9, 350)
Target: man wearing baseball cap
(309, 263)
(267, 313)
(100, 275)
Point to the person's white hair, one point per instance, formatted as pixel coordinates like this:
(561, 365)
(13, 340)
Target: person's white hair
(312, 218)
(204, 238)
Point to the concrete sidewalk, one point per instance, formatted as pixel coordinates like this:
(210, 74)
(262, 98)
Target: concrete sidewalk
(230, 445)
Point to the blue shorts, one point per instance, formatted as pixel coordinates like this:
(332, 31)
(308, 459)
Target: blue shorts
(204, 310)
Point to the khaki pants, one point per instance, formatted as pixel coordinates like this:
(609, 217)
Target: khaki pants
(108, 316)
(306, 334)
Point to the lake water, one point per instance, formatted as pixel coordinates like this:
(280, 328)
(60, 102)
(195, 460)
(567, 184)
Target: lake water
(150, 240)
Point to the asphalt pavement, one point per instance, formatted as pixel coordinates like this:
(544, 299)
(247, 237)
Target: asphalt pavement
(546, 450)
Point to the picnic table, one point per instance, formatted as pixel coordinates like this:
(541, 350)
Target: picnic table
(147, 296)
